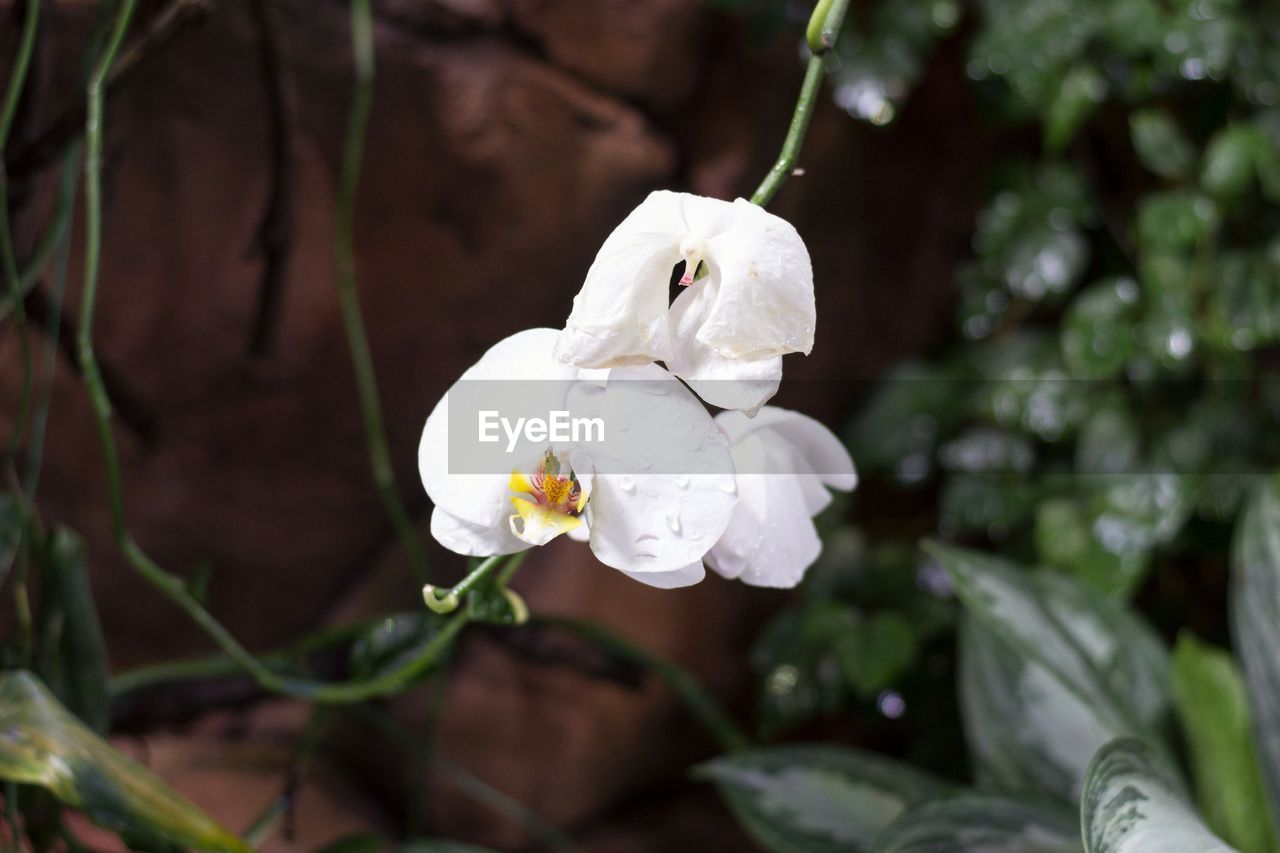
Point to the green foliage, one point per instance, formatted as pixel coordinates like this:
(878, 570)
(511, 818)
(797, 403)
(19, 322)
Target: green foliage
(988, 822)
(813, 799)
(1134, 803)
(41, 743)
(73, 658)
(1050, 671)
(859, 627)
(1255, 623)
(1212, 706)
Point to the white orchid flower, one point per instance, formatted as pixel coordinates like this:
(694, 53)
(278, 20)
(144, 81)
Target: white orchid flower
(726, 333)
(786, 464)
(654, 527)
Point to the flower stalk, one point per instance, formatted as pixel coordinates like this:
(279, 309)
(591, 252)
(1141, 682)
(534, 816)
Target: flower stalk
(349, 301)
(821, 34)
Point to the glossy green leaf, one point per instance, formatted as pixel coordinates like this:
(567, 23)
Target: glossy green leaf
(1133, 803)
(1160, 144)
(42, 744)
(1176, 220)
(1231, 158)
(1066, 539)
(1168, 329)
(392, 642)
(983, 823)
(1210, 695)
(1097, 333)
(1255, 624)
(73, 659)
(1049, 671)
(1243, 310)
(815, 799)
(1082, 90)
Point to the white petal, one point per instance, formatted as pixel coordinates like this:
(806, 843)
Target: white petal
(770, 540)
(481, 499)
(658, 521)
(681, 577)
(763, 286)
(824, 454)
(619, 316)
(473, 540)
(724, 382)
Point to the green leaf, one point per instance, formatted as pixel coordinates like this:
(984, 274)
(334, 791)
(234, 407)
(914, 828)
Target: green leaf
(1049, 672)
(1133, 803)
(1066, 539)
(1230, 159)
(1082, 90)
(982, 823)
(1160, 145)
(1109, 440)
(1255, 623)
(1167, 331)
(10, 531)
(73, 651)
(1210, 695)
(41, 743)
(393, 642)
(1243, 310)
(814, 799)
(1097, 333)
(1175, 221)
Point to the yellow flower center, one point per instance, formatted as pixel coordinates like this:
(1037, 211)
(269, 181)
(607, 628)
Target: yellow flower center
(554, 504)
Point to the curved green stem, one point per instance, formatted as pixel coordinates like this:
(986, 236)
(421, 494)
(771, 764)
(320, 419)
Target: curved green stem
(687, 688)
(169, 584)
(349, 302)
(452, 597)
(58, 238)
(824, 28)
(17, 80)
(222, 666)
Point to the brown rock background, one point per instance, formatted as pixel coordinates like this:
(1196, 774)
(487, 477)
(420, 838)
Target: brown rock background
(507, 138)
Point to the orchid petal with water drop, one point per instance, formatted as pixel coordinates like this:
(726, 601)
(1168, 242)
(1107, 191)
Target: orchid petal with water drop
(650, 509)
(787, 464)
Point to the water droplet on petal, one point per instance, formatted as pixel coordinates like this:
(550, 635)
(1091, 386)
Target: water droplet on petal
(673, 522)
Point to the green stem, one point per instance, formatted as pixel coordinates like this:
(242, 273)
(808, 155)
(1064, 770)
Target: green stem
(349, 302)
(54, 236)
(687, 688)
(824, 27)
(449, 601)
(222, 666)
(17, 80)
(53, 323)
(169, 584)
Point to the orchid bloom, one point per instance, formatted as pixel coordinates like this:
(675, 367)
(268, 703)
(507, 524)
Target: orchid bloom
(747, 298)
(786, 463)
(654, 527)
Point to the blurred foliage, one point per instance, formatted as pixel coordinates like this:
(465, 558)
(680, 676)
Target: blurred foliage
(1103, 410)
(1113, 373)
(44, 744)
